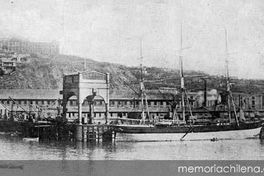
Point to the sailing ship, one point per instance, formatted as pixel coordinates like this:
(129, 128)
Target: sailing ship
(184, 127)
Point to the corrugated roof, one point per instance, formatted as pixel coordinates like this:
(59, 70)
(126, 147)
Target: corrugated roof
(54, 94)
(3, 59)
(30, 93)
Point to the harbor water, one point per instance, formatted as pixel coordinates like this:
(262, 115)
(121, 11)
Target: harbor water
(14, 148)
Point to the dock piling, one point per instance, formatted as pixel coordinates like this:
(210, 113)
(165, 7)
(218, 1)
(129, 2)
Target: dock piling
(78, 132)
(94, 133)
(261, 134)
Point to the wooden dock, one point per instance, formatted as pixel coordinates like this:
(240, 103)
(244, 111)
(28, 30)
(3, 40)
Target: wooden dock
(94, 133)
(70, 132)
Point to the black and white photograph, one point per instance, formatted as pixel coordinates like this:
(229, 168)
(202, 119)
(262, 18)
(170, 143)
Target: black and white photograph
(131, 87)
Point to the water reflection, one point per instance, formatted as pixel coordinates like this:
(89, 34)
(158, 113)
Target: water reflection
(15, 148)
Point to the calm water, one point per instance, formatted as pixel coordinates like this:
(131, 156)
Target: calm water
(13, 148)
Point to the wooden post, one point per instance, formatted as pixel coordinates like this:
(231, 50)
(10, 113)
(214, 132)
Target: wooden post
(79, 111)
(261, 134)
(91, 112)
(85, 133)
(78, 132)
(91, 135)
(98, 133)
(107, 98)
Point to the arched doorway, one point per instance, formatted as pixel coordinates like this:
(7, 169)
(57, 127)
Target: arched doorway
(86, 86)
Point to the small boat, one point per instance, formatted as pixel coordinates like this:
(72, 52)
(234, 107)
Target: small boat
(15, 134)
(36, 139)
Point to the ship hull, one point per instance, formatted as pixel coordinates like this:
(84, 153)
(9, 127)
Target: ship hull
(175, 133)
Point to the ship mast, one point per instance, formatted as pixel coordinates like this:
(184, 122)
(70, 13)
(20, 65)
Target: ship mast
(182, 77)
(227, 78)
(230, 97)
(142, 87)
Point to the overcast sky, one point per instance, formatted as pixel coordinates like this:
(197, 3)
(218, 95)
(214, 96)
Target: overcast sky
(110, 31)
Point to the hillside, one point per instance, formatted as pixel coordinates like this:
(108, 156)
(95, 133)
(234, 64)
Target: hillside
(47, 73)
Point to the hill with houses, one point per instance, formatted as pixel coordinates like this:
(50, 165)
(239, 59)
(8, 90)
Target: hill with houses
(47, 72)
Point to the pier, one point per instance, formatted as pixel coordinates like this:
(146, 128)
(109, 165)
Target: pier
(94, 133)
(64, 132)
(86, 86)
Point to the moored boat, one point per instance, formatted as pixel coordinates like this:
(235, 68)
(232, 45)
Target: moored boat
(28, 139)
(245, 130)
(183, 126)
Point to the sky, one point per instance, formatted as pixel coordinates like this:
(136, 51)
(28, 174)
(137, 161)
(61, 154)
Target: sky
(111, 31)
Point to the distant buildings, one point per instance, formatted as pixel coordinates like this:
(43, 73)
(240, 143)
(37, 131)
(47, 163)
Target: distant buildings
(10, 59)
(6, 64)
(27, 47)
(47, 101)
(15, 51)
